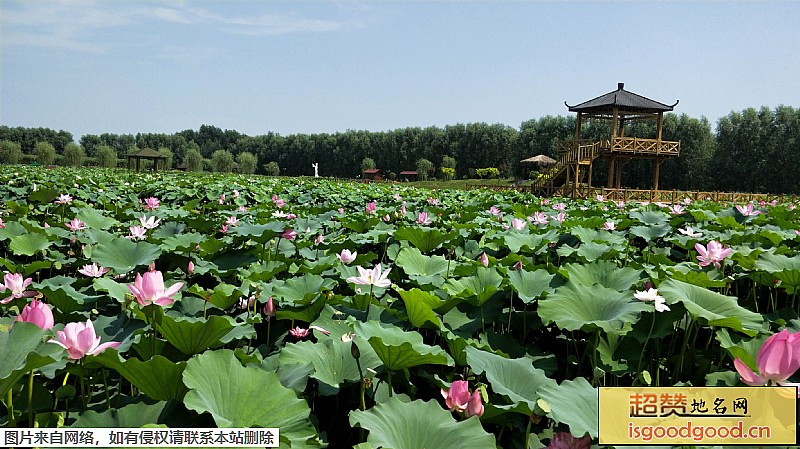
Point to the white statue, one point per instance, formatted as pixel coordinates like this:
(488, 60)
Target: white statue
(316, 169)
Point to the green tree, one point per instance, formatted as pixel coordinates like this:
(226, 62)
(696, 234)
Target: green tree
(272, 169)
(425, 169)
(106, 156)
(448, 167)
(247, 162)
(45, 153)
(222, 161)
(193, 160)
(10, 152)
(367, 164)
(168, 153)
(73, 155)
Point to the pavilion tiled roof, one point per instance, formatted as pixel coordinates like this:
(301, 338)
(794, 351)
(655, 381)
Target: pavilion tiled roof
(622, 99)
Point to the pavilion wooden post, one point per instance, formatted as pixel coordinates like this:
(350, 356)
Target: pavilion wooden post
(656, 169)
(578, 127)
(614, 122)
(619, 173)
(611, 164)
(589, 181)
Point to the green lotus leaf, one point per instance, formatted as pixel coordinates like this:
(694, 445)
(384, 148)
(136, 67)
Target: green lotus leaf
(419, 308)
(699, 278)
(260, 232)
(414, 263)
(587, 235)
(529, 285)
(59, 292)
(649, 217)
(221, 386)
(301, 290)
(398, 349)
(478, 288)
(28, 244)
(516, 379)
(414, 425)
(22, 349)
(651, 232)
(134, 415)
(114, 289)
(332, 360)
(578, 306)
(606, 273)
(123, 255)
(775, 263)
(182, 242)
(159, 378)
(716, 309)
(574, 403)
(195, 335)
(95, 219)
(520, 242)
(592, 251)
(263, 272)
(12, 229)
(43, 195)
(423, 238)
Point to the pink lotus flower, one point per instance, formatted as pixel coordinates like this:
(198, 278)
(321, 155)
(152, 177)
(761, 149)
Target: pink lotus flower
(423, 219)
(93, 270)
(298, 332)
(341, 211)
(474, 405)
(236, 193)
(387, 218)
(494, 211)
(149, 223)
(137, 233)
(403, 210)
(599, 198)
(538, 218)
(232, 221)
(64, 199)
(457, 396)
(269, 309)
(149, 289)
(242, 209)
(372, 277)
(320, 238)
(278, 202)
(289, 234)
(565, 440)
(559, 206)
(371, 207)
(38, 313)
(151, 203)
(518, 224)
(224, 229)
(76, 225)
(518, 266)
(713, 253)
(190, 267)
(319, 329)
(560, 217)
(777, 360)
(484, 259)
(609, 226)
(81, 340)
(3, 225)
(221, 199)
(748, 211)
(346, 256)
(17, 285)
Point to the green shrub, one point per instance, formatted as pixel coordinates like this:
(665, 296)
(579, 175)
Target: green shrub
(488, 173)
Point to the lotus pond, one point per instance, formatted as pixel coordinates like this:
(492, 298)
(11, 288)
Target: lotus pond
(372, 315)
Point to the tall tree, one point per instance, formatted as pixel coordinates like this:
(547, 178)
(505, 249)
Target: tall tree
(45, 153)
(73, 155)
(106, 156)
(10, 152)
(193, 160)
(222, 161)
(247, 162)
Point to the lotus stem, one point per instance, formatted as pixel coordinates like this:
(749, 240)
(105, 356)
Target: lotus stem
(30, 399)
(105, 386)
(644, 345)
(528, 432)
(12, 422)
(55, 403)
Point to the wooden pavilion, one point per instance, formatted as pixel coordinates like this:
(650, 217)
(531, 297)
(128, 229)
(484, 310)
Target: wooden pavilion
(147, 154)
(571, 175)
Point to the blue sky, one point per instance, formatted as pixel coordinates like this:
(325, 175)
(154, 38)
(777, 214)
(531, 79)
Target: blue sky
(319, 66)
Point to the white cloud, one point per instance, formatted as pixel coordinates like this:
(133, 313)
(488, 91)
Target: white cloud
(80, 25)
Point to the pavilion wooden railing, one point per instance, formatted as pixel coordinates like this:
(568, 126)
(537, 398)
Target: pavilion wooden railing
(635, 145)
(570, 153)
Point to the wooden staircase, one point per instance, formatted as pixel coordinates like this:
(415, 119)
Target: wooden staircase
(566, 172)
